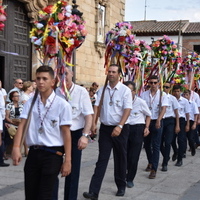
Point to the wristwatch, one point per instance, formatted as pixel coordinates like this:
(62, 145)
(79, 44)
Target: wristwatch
(86, 135)
(120, 126)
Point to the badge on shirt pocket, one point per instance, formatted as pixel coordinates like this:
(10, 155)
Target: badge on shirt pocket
(54, 123)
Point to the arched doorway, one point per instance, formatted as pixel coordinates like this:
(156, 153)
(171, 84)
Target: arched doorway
(15, 46)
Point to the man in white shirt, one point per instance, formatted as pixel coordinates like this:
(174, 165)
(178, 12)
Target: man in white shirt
(184, 123)
(18, 85)
(2, 117)
(193, 112)
(114, 106)
(48, 137)
(139, 121)
(170, 125)
(157, 102)
(80, 130)
(3, 91)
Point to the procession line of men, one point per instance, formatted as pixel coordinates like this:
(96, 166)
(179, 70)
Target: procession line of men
(60, 125)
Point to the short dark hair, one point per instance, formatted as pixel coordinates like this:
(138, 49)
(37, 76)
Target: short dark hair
(45, 68)
(12, 94)
(127, 83)
(186, 91)
(176, 87)
(116, 65)
(153, 77)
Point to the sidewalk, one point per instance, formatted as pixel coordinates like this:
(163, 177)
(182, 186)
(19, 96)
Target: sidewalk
(178, 183)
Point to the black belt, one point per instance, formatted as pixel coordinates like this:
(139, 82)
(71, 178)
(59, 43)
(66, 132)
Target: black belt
(49, 149)
(169, 118)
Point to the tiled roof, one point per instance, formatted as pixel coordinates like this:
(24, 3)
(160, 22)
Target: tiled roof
(193, 27)
(154, 26)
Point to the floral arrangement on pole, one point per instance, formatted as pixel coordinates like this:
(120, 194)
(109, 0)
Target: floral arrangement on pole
(124, 50)
(2, 16)
(191, 67)
(57, 32)
(169, 58)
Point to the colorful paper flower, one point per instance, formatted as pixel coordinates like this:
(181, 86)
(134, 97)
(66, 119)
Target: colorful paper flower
(2, 17)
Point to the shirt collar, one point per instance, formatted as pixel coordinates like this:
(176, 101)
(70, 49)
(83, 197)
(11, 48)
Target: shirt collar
(49, 99)
(116, 86)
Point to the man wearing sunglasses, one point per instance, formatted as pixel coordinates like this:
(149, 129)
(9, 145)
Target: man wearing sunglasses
(157, 102)
(170, 125)
(18, 85)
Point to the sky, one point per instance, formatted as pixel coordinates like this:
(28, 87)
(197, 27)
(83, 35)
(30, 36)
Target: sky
(163, 10)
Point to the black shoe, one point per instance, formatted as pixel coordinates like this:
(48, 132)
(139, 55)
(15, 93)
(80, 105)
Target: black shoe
(120, 193)
(129, 184)
(164, 168)
(179, 163)
(174, 157)
(4, 164)
(90, 195)
(193, 151)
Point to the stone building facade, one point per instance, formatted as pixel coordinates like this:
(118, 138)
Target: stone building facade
(18, 59)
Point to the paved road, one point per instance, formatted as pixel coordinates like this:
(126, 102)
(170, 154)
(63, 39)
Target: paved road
(178, 183)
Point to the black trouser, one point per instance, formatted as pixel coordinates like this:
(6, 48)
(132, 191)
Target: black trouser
(119, 145)
(167, 138)
(41, 169)
(181, 140)
(191, 135)
(134, 147)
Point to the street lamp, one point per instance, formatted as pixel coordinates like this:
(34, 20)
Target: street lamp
(75, 11)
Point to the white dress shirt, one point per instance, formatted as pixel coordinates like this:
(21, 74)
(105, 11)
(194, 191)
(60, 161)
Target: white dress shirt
(139, 111)
(59, 114)
(81, 105)
(193, 110)
(153, 102)
(183, 107)
(2, 111)
(195, 97)
(120, 97)
(173, 105)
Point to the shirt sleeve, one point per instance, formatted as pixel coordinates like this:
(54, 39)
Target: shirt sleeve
(145, 108)
(66, 114)
(127, 99)
(165, 101)
(86, 103)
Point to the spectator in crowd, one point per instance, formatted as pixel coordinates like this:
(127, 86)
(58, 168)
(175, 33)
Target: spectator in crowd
(18, 85)
(3, 91)
(2, 116)
(27, 90)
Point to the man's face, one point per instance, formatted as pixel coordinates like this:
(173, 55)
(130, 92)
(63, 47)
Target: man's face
(44, 81)
(68, 76)
(113, 75)
(153, 83)
(177, 93)
(187, 95)
(19, 83)
(166, 87)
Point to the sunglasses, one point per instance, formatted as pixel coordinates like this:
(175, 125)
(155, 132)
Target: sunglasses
(153, 82)
(16, 96)
(167, 87)
(20, 83)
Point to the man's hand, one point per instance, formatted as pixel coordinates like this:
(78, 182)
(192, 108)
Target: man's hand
(116, 131)
(66, 168)
(187, 128)
(82, 142)
(146, 132)
(194, 126)
(16, 155)
(177, 129)
(158, 124)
